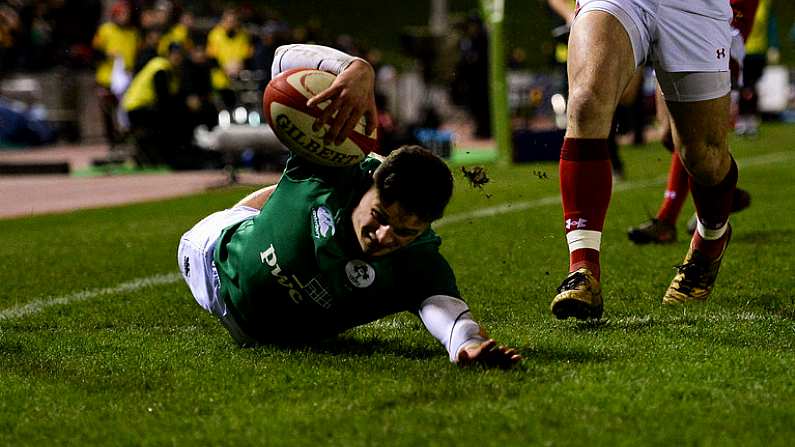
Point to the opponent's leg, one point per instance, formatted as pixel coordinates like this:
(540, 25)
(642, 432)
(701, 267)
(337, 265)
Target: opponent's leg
(600, 65)
(701, 130)
(662, 228)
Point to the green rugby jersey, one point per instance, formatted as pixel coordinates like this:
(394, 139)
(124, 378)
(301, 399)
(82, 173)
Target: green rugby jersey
(297, 271)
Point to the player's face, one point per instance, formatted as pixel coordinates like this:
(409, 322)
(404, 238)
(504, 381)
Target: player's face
(382, 228)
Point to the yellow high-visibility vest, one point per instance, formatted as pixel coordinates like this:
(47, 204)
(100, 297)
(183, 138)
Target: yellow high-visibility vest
(115, 40)
(757, 40)
(177, 34)
(226, 51)
(142, 88)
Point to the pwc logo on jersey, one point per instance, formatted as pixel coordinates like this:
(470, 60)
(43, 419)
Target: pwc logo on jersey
(292, 285)
(322, 223)
(360, 273)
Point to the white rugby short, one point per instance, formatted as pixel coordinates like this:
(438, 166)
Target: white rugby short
(689, 42)
(195, 258)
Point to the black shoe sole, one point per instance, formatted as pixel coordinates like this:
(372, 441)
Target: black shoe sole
(577, 309)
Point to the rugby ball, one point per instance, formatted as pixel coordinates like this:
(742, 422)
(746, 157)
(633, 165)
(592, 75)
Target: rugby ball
(284, 104)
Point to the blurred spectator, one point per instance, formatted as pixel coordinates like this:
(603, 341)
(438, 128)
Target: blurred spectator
(272, 35)
(73, 26)
(37, 54)
(757, 48)
(345, 43)
(197, 89)
(154, 17)
(388, 130)
(391, 134)
(178, 33)
(308, 33)
(149, 50)
(517, 60)
(153, 105)
(114, 39)
(37, 35)
(472, 74)
(9, 35)
(230, 45)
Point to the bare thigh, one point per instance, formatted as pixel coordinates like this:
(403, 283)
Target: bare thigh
(601, 64)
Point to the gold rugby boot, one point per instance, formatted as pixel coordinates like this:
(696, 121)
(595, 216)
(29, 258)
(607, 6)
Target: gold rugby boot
(579, 296)
(695, 277)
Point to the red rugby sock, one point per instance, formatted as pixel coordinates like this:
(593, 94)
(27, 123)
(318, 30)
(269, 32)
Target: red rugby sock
(585, 185)
(713, 205)
(675, 192)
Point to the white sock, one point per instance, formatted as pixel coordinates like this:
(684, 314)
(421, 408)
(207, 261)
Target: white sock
(579, 239)
(709, 234)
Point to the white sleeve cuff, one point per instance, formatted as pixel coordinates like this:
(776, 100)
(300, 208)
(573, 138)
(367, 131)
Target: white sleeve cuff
(448, 319)
(310, 56)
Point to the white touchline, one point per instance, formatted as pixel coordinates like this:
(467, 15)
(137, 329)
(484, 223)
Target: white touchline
(37, 305)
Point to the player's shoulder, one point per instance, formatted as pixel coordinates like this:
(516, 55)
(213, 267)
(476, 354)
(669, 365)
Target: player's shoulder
(299, 169)
(427, 242)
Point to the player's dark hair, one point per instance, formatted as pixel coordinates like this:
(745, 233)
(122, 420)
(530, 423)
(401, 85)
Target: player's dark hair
(417, 179)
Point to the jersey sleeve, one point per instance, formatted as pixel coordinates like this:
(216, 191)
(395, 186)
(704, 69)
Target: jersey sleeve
(310, 56)
(449, 320)
(426, 271)
(360, 175)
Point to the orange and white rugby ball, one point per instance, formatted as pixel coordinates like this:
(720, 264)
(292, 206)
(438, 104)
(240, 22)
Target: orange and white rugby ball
(284, 104)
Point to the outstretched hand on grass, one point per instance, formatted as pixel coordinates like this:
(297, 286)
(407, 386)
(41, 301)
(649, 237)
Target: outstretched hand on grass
(488, 354)
(352, 96)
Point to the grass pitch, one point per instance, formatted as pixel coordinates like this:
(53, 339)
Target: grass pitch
(100, 344)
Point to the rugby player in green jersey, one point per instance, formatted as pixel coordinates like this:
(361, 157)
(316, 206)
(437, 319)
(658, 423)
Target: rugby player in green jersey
(328, 249)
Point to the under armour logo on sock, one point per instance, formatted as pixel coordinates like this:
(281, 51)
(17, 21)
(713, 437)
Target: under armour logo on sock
(721, 53)
(579, 223)
(186, 266)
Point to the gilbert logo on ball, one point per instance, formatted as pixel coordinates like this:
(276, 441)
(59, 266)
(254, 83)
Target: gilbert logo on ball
(285, 108)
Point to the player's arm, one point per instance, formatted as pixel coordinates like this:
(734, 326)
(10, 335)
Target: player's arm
(258, 198)
(449, 320)
(351, 95)
(563, 8)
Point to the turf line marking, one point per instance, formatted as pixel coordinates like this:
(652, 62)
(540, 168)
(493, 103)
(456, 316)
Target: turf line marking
(40, 304)
(513, 207)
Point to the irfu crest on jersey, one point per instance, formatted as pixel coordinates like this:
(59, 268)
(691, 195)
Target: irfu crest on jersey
(360, 273)
(322, 223)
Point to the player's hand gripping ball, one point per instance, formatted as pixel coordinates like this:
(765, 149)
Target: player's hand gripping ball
(291, 119)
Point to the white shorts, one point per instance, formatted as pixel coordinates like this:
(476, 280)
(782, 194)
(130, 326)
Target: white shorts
(195, 258)
(677, 36)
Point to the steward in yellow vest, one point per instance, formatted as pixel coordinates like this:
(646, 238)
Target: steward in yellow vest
(179, 34)
(230, 45)
(155, 109)
(154, 86)
(117, 38)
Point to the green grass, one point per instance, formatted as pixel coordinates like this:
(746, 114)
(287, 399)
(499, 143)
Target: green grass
(148, 367)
